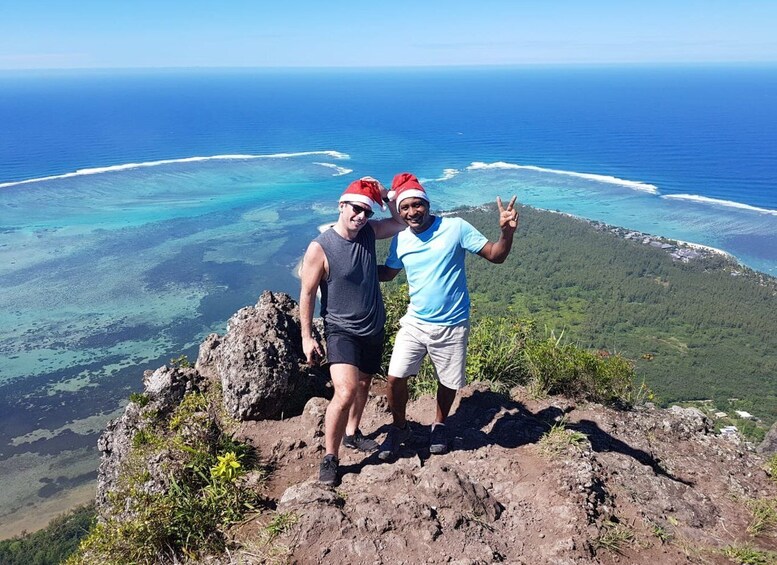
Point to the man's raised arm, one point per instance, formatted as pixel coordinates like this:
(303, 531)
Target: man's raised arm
(498, 251)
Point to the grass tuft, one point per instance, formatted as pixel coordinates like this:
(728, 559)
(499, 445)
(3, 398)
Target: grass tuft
(764, 512)
(614, 536)
(747, 555)
(558, 438)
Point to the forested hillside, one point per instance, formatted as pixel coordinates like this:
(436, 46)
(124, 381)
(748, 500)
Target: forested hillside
(702, 330)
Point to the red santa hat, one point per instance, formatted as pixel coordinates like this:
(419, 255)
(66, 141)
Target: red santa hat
(363, 191)
(406, 185)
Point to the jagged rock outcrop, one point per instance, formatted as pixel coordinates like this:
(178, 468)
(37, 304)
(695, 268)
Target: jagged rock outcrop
(768, 446)
(259, 361)
(642, 486)
(163, 392)
(258, 364)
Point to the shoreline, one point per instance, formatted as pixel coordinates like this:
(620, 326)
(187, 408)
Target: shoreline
(29, 519)
(680, 250)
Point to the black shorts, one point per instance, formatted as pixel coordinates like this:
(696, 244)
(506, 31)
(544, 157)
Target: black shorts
(364, 352)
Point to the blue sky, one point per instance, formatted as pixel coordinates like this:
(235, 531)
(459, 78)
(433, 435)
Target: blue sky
(207, 33)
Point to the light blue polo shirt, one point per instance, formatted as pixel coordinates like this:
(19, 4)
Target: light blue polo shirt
(434, 264)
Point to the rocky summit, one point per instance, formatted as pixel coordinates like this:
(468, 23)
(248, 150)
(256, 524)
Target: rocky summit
(527, 480)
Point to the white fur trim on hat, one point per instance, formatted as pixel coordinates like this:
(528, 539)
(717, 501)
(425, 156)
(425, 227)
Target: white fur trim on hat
(360, 198)
(408, 193)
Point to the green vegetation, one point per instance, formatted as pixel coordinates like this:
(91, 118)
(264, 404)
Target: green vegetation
(660, 532)
(558, 368)
(206, 492)
(52, 544)
(614, 536)
(505, 353)
(764, 512)
(701, 330)
(771, 467)
(181, 362)
(139, 398)
(558, 438)
(746, 555)
(281, 523)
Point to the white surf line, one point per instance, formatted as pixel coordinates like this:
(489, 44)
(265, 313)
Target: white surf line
(129, 166)
(635, 185)
(718, 202)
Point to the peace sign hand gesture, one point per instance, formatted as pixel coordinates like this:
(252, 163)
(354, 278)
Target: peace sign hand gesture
(508, 217)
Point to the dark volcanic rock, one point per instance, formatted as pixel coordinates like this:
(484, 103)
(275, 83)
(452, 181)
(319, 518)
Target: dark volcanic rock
(641, 486)
(259, 361)
(769, 445)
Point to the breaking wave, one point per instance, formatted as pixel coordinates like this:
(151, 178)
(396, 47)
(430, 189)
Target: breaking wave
(129, 166)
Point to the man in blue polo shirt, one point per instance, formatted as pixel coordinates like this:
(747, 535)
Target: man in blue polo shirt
(432, 250)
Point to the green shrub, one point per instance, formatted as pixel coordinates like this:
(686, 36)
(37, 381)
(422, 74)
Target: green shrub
(764, 511)
(495, 351)
(613, 536)
(281, 524)
(139, 398)
(181, 362)
(505, 352)
(395, 301)
(206, 494)
(143, 437)
(191, 404)
(52, 544)
(771, 467)
(557, 368)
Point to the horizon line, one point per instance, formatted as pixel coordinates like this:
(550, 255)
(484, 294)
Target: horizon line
(554, 64)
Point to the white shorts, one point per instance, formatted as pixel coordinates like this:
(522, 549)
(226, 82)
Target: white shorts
(445, 345)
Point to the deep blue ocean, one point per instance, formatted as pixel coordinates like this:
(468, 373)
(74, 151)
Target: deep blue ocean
(140, 209)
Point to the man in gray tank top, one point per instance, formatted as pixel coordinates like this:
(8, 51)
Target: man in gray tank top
(341, 263)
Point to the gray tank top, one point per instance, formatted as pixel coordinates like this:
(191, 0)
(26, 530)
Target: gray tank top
(350, 295)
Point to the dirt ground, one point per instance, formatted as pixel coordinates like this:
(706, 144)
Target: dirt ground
(644, 486)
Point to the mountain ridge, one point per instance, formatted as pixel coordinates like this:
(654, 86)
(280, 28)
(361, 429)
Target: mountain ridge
(529, 479)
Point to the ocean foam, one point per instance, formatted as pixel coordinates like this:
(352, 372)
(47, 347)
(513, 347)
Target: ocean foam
(635, 185)
(128, 166)
(718, 202)
(339, 171)
(447, 174)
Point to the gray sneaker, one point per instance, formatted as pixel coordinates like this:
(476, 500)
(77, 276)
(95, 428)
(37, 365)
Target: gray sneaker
(438, 443)
(395, 437)
(359, 442)
(327, 471)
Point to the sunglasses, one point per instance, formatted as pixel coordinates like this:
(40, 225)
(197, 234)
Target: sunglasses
(359, 209)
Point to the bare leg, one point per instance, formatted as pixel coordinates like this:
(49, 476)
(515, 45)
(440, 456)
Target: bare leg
(397, 398)
(345, 379)
(357, 408)
(445, 398)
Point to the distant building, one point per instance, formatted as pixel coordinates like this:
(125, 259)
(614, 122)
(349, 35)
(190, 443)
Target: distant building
(720, 415)
(728, 430)
(744, 415)
(685, 255)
